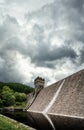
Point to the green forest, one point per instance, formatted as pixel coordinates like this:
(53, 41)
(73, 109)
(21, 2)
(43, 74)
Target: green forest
(14, 94)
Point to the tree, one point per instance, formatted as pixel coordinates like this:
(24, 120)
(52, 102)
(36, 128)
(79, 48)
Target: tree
(8, 97)
(1, 102)
(20, 97)
(17, 87)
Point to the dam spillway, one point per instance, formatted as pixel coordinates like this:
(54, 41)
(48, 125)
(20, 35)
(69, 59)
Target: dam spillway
(60, 105)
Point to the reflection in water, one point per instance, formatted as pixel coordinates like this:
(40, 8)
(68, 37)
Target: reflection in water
(20, 116)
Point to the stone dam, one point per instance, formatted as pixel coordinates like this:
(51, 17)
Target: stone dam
(58, 106)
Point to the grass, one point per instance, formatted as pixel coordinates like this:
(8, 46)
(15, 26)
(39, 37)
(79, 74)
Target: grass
(8, 124)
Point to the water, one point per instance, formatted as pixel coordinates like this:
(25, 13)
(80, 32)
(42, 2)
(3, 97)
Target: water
(20, 116)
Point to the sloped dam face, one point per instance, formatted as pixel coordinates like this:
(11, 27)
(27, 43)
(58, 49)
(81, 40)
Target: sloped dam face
(60, 105)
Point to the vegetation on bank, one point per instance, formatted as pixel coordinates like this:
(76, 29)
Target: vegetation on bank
(13, 94)
(8, 124)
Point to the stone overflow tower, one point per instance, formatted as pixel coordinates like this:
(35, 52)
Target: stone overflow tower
(39, 84)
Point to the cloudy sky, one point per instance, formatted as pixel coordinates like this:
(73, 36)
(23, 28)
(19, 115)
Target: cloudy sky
(40, 38)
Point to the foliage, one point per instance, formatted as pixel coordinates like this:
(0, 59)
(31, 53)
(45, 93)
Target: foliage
(8, 97)
(17, 87)
(13, 94)
(1, 103)
(20, 105)
(20, 97)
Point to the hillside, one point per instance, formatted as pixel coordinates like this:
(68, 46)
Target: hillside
(17, 87)
(14, 94)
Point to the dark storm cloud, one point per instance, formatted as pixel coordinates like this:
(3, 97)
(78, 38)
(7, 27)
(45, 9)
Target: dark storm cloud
(60, 14)
(77, 3)
(45, 55)
(8, 65)
(9, 70)
(8, 73)
(82, 56)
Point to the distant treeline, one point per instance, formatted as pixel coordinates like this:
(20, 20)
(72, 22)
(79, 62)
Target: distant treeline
(17, 87)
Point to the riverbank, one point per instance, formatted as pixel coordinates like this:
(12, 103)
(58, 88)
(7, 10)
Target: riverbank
(11, 109)
(10, 124)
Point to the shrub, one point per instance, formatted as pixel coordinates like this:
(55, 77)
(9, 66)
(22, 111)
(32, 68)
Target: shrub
(20, 97)
(8, 97)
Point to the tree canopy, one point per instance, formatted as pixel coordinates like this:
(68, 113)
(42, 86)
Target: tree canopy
(13, 94)
(17, 87)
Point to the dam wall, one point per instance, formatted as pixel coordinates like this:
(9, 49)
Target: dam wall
(60, 105)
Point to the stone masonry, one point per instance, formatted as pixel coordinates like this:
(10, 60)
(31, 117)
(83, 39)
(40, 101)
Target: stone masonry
(60, 105)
